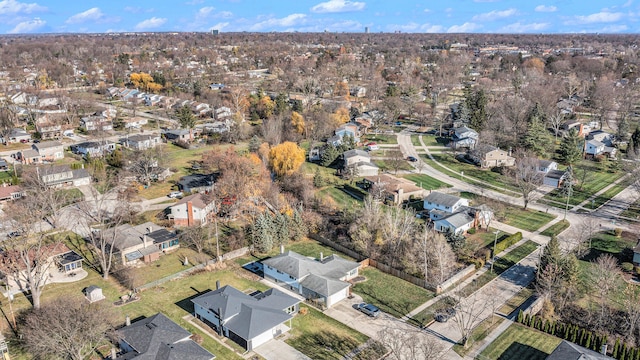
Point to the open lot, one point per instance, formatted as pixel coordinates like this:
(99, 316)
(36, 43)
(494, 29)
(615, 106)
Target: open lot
(522, 343)
(391, 294)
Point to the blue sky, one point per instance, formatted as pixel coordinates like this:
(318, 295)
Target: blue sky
(477, 16)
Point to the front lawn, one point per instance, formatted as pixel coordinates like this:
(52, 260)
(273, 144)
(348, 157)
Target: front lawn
(338, 198)
(426, 316)
(522, 343)
(321, 337)
(166, 265)
(529, 220)
(595, 181)
(382, 139)
(556, 228)
(391, 294)
(432, 140)
(513, 303)
(426, 181)
(484, 175)
(306, 247)
(480, 332)
(385, 165)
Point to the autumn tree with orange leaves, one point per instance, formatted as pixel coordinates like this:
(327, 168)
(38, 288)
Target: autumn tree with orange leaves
(144, 82)
(297, 121)
(341, 116)
(286, 158)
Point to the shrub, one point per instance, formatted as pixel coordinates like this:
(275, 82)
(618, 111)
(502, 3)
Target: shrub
(508, 241)
(617, 232)
(471, 231)
(626, 266)
(303, 311)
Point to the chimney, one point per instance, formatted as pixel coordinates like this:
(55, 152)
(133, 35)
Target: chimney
(603, 349)
(189, 213)
(127, 321)
(113, 353)
(321, 256)
(281, 249)
(144, 240)
(217, 284)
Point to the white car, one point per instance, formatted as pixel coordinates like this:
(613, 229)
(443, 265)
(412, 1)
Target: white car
(175, 194)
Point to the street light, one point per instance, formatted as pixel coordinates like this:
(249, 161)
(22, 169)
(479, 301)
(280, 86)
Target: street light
(495, 241)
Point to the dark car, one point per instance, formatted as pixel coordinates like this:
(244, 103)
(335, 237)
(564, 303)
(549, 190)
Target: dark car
(369, 309)
(412, 159)
(14, 234)
(445, 315)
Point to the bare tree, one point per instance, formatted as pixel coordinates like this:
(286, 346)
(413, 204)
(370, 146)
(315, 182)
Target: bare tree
(631, 307)
(604, 278)
(398, 228)
(555, 120)
(472, 310)
(526, 176)
(198, 237)
(8, 120)
(406, 344)
(144, 164)
(67, 328)
(395, 159)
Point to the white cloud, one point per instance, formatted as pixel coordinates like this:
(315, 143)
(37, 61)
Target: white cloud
(219, 26)
(614, 29)
(224, 15)
(601, 17)
(93, 14)
(152, 23)
(427, 10)
(290, 20)
(194, 2)
(494, 15)
(205, 12)
(11, 7)
(28, 26)
(464, 28)
(524, 28)
(415, 28)
(335, 6)
(544, 8)
(628, 3)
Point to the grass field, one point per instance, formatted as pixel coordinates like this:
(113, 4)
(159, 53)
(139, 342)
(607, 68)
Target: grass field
(595, 181)
(607, 195)
(521, 343)
(306, 247)
(425, 316)
(384, 165)
(556, 228)
(530, 220)
(431, 140)
(339, 198)
(513, 303)
(480, 332)
(382, 139)
(484, 175)
(391, 294)
(426, 181)
(321, 337)
(485, 238)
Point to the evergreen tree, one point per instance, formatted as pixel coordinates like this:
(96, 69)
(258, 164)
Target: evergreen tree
(318, 179)
(298, 228)
(631, 149)
(262, 233)
(520, 317)
(624, 128)
(281, 223)
(254, 144)
(616, 348)
(538, 139)
(329, 155)
(551, 254)
(587, 343)
(635, 138)
(571, 147)
(476, 103)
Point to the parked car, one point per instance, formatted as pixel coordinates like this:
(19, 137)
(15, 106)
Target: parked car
(175, 194)
(412, 158)
(14, 234)
(369, 309)
(445, 315)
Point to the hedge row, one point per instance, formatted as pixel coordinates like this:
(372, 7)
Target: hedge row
(508, 241)
(580, 336)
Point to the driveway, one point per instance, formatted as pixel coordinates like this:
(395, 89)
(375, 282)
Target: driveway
(279, 350)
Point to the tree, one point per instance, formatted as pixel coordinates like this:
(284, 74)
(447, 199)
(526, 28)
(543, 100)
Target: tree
(395, 160)
(476, 102)
(186, 119)
(144, 82)
(8, 120)
(407, 344)
(555, 121)
(297, 121)
(97, 220)
(526, 176)
(470, 312)
(437, 258)
(571, 147)
(604, 278)
(329, 154)
(286, 158)
(144, 164)
(341, 116)
(537, 139)
(263, 236)
(68, 328)
(197, 237)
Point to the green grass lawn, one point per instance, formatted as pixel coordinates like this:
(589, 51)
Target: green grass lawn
(391, 294)
(513, 303)
(339, 198)
(522, 343)
(607, 195)
(633, 211)
(480, 332)
(167, 265)
(484, 175)
(485, 238)
(556, 228)
(596, 181)
(307, 247)
(425, 317)
(432, 140)
(426, 181)
(384, 165)
(529, 220)
(381, 139)
(321, 337)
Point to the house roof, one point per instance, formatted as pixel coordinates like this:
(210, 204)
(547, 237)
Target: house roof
(197, 180)
(141, 137)
(299, 266)
(570, 351)
(127, 236)
(197, 200)
(46, 145)
(248, 315)
(595, 143)
(555, 174)
(355, 152)
(159, 338)
(6, 191)
(545, 163)
(457, 220)
(442, 199)
(393, 184)
(323, 285)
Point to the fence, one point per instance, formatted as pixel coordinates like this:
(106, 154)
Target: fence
(455, 278)
(228, 256)
(338, 247)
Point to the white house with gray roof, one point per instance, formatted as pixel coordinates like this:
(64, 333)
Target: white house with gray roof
(444, 202)
(250, 320)
(321, 280)
(450, 213)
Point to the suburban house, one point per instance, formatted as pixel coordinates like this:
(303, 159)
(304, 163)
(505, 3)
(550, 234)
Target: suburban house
(63, 176)
(594, 148)
(47, 151)
(444, 202)
(552, 176)
(602, 136)
(4, 166)
(145, 241)
(96, 123)
(250, 320)
(348, 129)
(450, 213)
(636, 255)
(359, 162)
(197, 182)
(219, 127)
(192, 210)
(178, 135)
(463, 137)
(93, 148)
(48, 129)
(158, 337)
(10, 192)
(488, 156)
(141, 141)
(16, 135)
(134, 122)
(322, 280)
(393, 189)
(544, 166)
(569, 351)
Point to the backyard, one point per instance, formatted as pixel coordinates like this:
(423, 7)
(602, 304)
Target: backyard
(426, 181)
(391, 294)
(522, 343)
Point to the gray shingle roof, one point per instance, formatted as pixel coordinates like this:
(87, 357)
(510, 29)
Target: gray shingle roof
(355, 152)
(299, 266)
(570, 351)
(458, 219)
(323, 285)
(159, 338)
(442, 199)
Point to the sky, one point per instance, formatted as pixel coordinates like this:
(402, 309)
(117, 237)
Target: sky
(407, 16)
